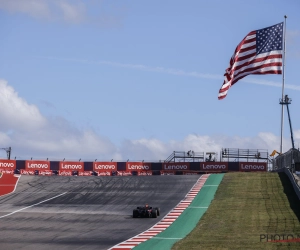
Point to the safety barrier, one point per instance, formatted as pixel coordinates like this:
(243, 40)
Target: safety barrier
(292, 179)
(68, 168)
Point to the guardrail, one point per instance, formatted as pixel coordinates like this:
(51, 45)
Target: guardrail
(292, 179)
(182, 156)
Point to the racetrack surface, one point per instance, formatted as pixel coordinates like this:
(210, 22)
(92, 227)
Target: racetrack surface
(84, 212)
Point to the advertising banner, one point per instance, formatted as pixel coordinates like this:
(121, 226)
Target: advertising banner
(37, 165)
(69, 168)
(103, 167)
(123, 173)
(85, 173)
(214, 166)
(138, 166)
(34, 167)
(253, 166)
(71, 165)
(31, 172)
(190, 173)
(167, 172)
(7, 166)
(177, 166)
(145, 173)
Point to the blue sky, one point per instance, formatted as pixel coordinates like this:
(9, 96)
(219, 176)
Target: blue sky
(138, 79)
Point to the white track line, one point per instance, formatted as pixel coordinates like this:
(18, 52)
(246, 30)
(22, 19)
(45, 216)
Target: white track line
(18, 176)
(32, 205)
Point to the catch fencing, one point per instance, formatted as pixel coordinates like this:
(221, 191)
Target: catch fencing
(289, 163)
(289, 159)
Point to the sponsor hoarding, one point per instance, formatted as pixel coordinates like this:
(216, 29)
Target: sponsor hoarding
(124, 173)
(71, 166)
(214, 166)
(33, 167)
(85, 173)
(45, 172)
(106, 173)
(167, 172)
(190, 173)
(176, 166)
(6, 171)
(24, 171)
(7, 164)
(138, 166)
(145, 173)
(103, 167)
(37, 165)
(253, 166)
(67, 168)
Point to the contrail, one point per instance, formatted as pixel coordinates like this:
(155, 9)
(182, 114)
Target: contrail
(170, 71)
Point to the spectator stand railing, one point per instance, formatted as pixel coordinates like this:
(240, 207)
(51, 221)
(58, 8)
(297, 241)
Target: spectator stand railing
(182, 156)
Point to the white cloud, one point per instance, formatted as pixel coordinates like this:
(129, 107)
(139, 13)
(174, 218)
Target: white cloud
(153, 149)
(174, 72)
(144, 149)
(15, 112)
(70, 11)
(271, 83)
(30, 134)
(292, 44)
(34, 8)
(296, 135)
(4, 139)
(292, 36)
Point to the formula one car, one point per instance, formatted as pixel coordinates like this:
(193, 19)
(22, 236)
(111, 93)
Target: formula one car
(146, 212)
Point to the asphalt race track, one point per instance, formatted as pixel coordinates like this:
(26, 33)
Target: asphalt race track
(92, 212)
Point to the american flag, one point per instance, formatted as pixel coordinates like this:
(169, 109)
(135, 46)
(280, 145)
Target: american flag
(260, 52)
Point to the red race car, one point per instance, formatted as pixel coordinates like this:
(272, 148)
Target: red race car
(146, 212)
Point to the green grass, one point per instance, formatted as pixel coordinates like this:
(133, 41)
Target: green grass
(246, 206)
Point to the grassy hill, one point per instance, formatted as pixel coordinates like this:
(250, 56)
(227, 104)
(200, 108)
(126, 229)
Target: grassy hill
(249, 211)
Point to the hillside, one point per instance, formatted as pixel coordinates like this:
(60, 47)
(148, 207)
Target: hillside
(248, 210)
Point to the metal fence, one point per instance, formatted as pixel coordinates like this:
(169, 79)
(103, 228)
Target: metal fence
(289, 162)
(237, 154)
(289, 159)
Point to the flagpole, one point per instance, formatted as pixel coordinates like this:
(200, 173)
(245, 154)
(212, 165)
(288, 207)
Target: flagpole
(283, 66)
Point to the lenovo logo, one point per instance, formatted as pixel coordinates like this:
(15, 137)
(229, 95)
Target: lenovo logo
(40, 166)
(252, 167)
(214, 167)
(72, 167)
(99, 167)
(7, 165)
(175, 167)
(138, 167)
